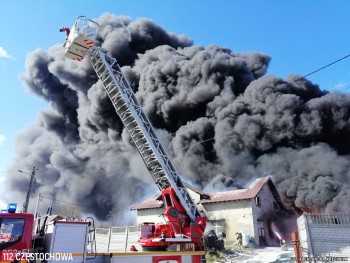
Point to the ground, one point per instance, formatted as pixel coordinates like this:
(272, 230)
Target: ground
(252, 255)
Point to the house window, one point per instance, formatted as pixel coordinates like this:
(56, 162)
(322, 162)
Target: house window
(218, 226)
(257, 201)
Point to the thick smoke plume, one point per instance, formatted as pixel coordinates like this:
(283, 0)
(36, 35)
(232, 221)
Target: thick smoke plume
(222, 119)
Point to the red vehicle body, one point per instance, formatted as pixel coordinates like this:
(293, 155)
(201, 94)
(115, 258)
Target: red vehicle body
(16, 232)
(178, 230)
(70, 237)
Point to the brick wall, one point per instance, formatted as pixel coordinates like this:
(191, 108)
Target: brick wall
(325, 234)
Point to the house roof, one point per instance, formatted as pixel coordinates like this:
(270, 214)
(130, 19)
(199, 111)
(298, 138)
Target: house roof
(233, 195)
(156, 200)
(152, 202)
(239, 194)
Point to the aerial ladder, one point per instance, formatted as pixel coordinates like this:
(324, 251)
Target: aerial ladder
(185, 223)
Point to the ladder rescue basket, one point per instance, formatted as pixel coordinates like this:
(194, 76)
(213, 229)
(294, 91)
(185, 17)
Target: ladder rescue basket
(81, 38)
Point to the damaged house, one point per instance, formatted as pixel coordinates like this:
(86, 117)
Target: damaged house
(257, 211)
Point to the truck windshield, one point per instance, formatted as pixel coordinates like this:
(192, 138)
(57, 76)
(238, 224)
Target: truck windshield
(11, 230)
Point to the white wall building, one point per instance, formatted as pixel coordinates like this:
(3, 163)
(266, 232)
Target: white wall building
(256, 211)
(325, 235)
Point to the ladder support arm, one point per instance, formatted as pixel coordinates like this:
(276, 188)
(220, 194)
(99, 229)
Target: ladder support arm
(139, 127)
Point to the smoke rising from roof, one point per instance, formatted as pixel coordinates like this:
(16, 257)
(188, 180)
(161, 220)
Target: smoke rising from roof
(230, 123)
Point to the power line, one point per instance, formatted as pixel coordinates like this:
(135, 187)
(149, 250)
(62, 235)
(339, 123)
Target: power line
(326, 66)
(309, 74)
(61, 201)
(7, 172)
(91, 160)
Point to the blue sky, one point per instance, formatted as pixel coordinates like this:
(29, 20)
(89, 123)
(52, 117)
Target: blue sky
(299, 35)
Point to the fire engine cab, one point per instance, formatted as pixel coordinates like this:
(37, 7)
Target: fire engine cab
(15, 229)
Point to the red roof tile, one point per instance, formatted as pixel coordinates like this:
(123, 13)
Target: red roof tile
(240, 194)
(249, 193)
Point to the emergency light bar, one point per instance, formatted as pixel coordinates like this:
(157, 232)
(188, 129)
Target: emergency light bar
(11, 208)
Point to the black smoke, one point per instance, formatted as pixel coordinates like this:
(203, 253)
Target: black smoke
(222, 119)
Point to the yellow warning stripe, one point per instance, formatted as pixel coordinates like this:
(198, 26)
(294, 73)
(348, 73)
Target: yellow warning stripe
(155, 253)
(147, 253)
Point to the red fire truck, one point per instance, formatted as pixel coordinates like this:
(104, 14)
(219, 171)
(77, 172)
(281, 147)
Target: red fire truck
(185, 223)
(25, 239)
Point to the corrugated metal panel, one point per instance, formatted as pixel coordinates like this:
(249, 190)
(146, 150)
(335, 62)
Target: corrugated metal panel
(69, 238)
(325, 234)
(117, 239)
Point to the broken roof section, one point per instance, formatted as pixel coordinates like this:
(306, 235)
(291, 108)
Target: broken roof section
(232, 195)
(240, 194)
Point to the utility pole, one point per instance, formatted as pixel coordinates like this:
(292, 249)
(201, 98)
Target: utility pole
(26, 203)
(37, 206)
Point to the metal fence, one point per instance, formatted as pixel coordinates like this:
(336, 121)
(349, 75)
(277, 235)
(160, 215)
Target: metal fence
(117, 239)
(325, 234)
(328, 219)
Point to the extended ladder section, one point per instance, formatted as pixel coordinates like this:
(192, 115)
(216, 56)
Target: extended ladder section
(140, 128)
